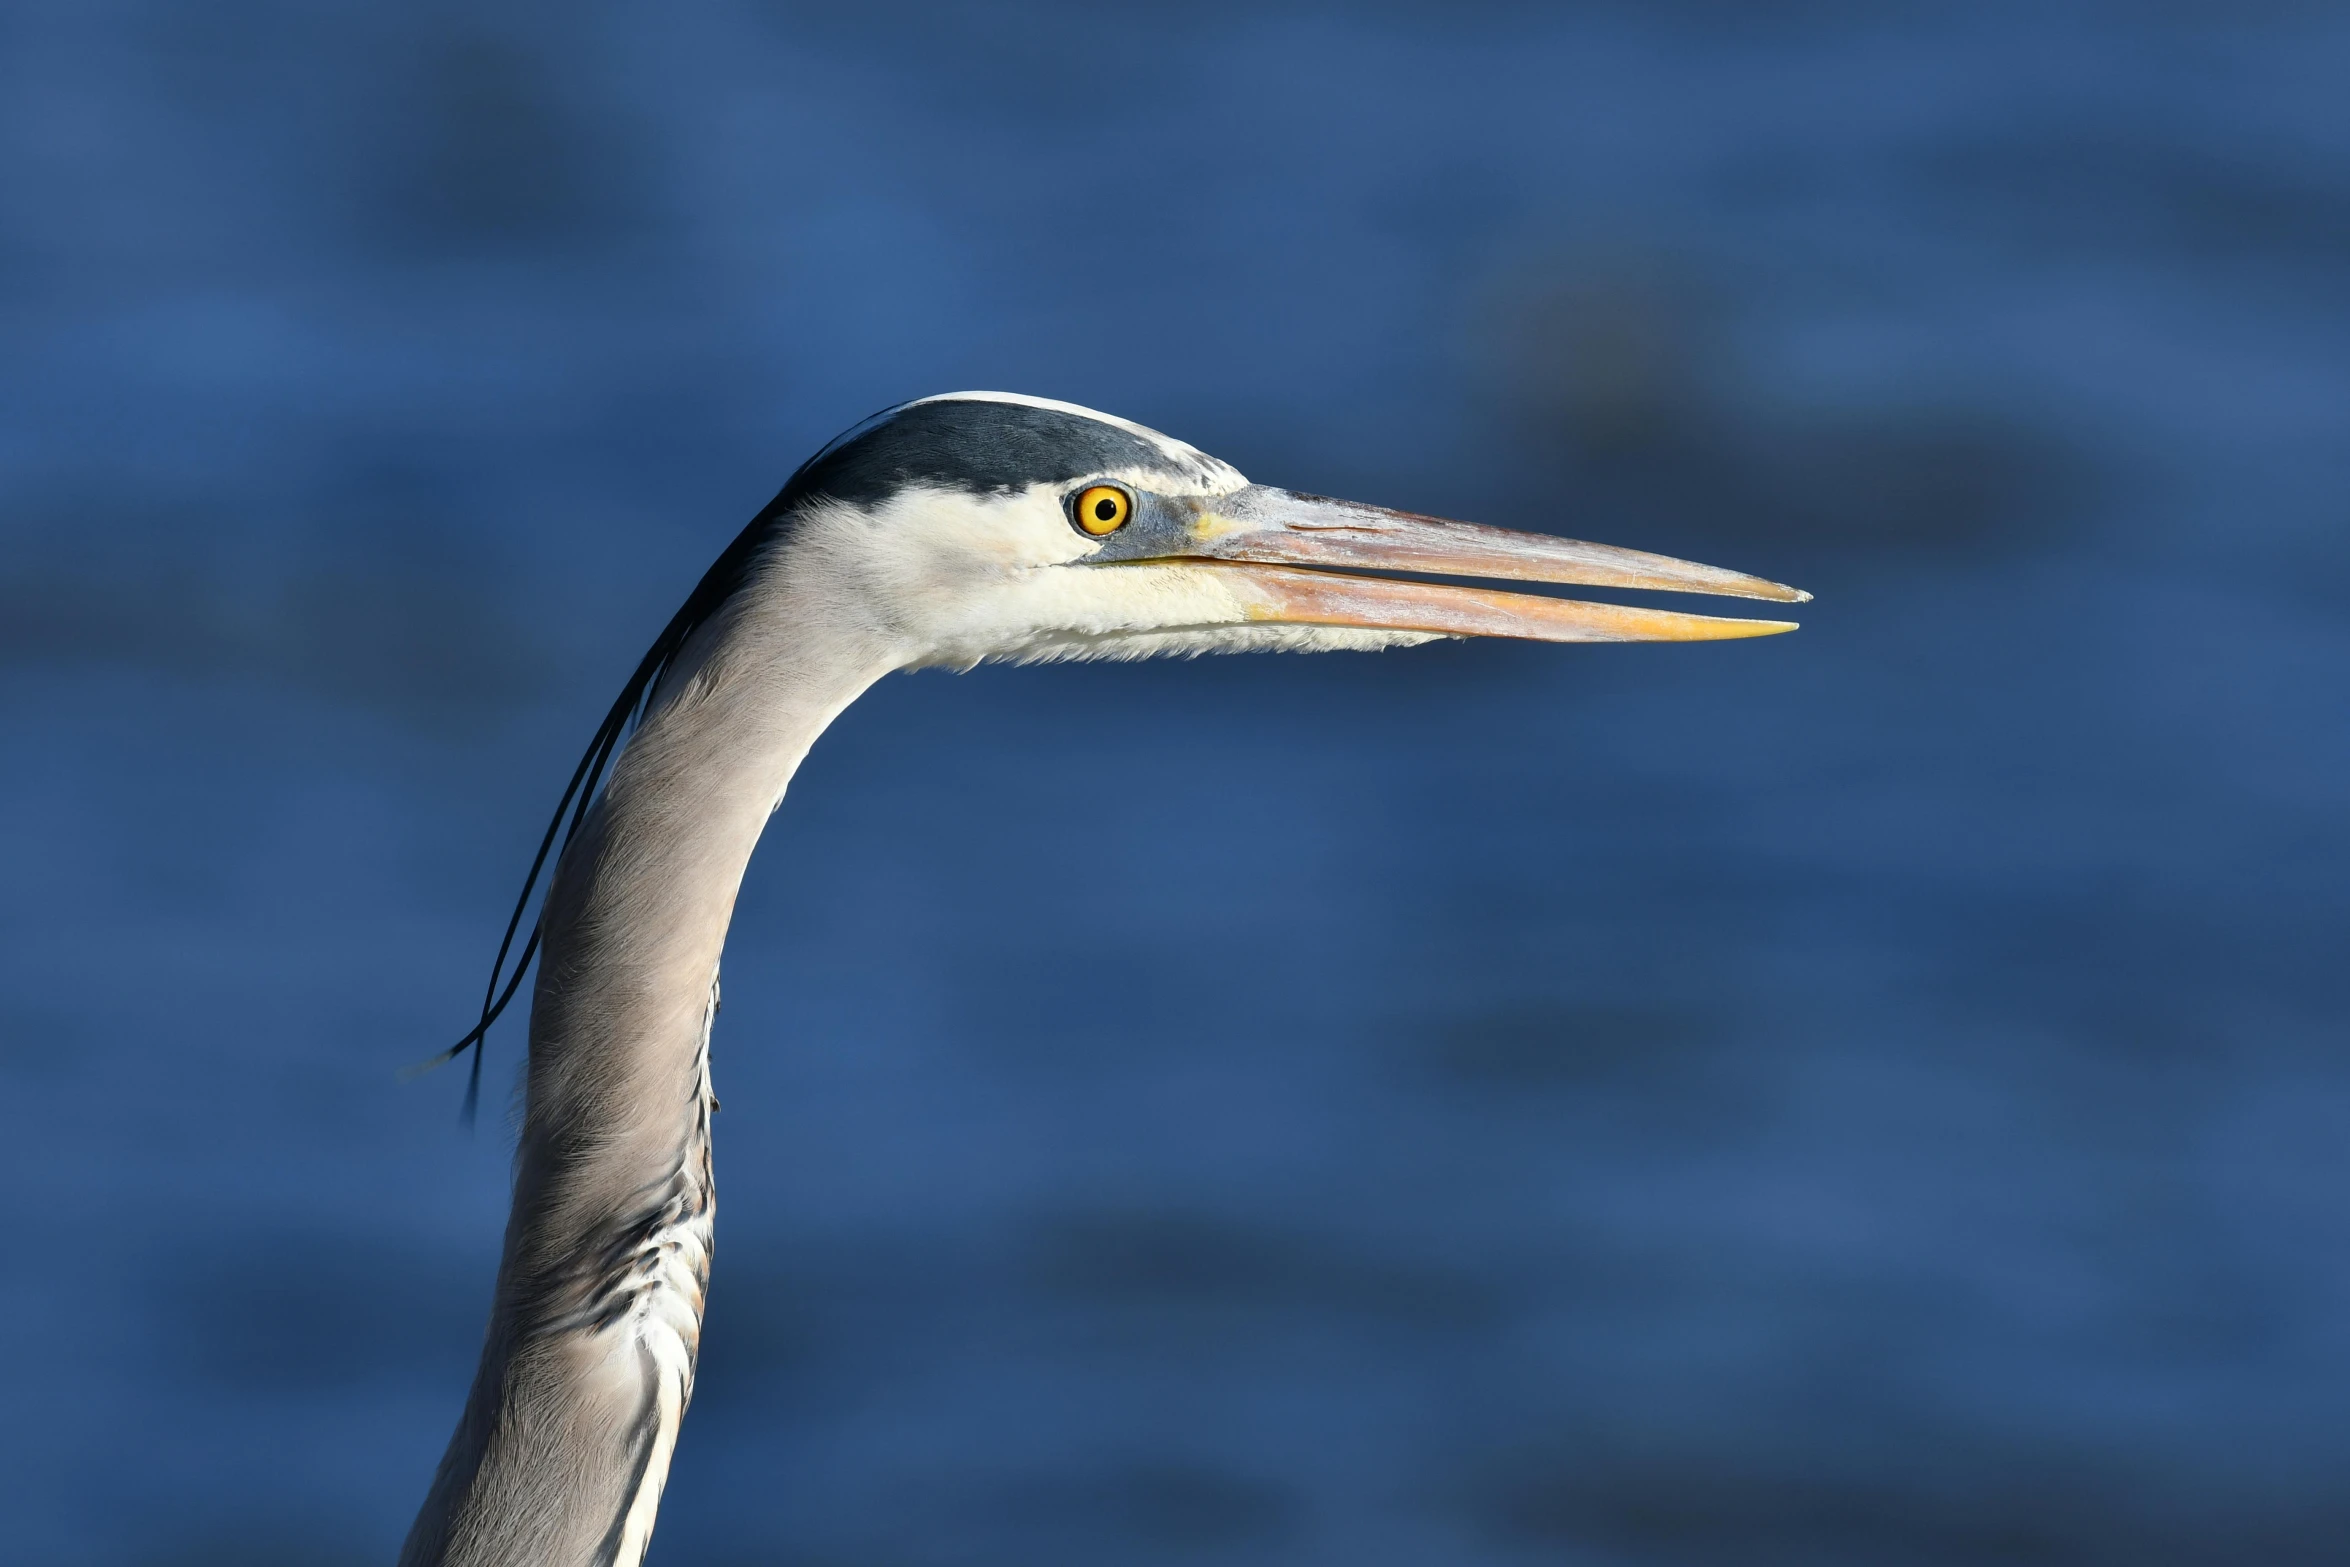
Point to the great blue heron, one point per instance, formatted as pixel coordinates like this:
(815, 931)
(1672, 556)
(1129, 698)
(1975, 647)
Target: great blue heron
(943, 532)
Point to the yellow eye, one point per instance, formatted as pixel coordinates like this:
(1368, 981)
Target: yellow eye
(1103, 509)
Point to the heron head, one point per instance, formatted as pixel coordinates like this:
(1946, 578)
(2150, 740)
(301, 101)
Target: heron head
(985, 525)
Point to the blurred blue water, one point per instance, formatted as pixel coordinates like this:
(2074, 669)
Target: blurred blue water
(1874, 1096)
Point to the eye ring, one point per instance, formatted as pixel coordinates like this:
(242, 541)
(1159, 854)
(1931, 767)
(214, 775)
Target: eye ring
(1100, 510)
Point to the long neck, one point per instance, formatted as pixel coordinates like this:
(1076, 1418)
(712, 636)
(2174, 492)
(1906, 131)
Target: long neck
(565, 1442)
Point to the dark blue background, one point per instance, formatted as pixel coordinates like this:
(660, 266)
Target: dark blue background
(1874, 1096)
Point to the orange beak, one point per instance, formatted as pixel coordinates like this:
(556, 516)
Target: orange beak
(1296, 559)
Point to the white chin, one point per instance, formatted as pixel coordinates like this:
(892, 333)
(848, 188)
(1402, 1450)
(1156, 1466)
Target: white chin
(1052, 648)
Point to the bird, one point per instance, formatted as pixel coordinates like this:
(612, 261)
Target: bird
(948, 532)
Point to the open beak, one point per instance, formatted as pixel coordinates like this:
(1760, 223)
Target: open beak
(1294, 556)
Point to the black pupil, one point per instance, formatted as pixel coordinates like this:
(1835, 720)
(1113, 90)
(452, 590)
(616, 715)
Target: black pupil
(1104, 509)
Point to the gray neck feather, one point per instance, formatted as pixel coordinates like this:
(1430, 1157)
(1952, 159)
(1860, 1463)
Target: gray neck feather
(565, 1442)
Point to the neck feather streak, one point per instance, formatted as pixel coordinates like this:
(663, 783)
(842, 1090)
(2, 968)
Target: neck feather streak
(566, 1438)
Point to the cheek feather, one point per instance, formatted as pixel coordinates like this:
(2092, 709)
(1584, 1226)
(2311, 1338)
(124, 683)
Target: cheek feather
(957, 580)
(1050, 607)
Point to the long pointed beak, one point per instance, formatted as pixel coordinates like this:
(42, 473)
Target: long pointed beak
(1293, 555)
